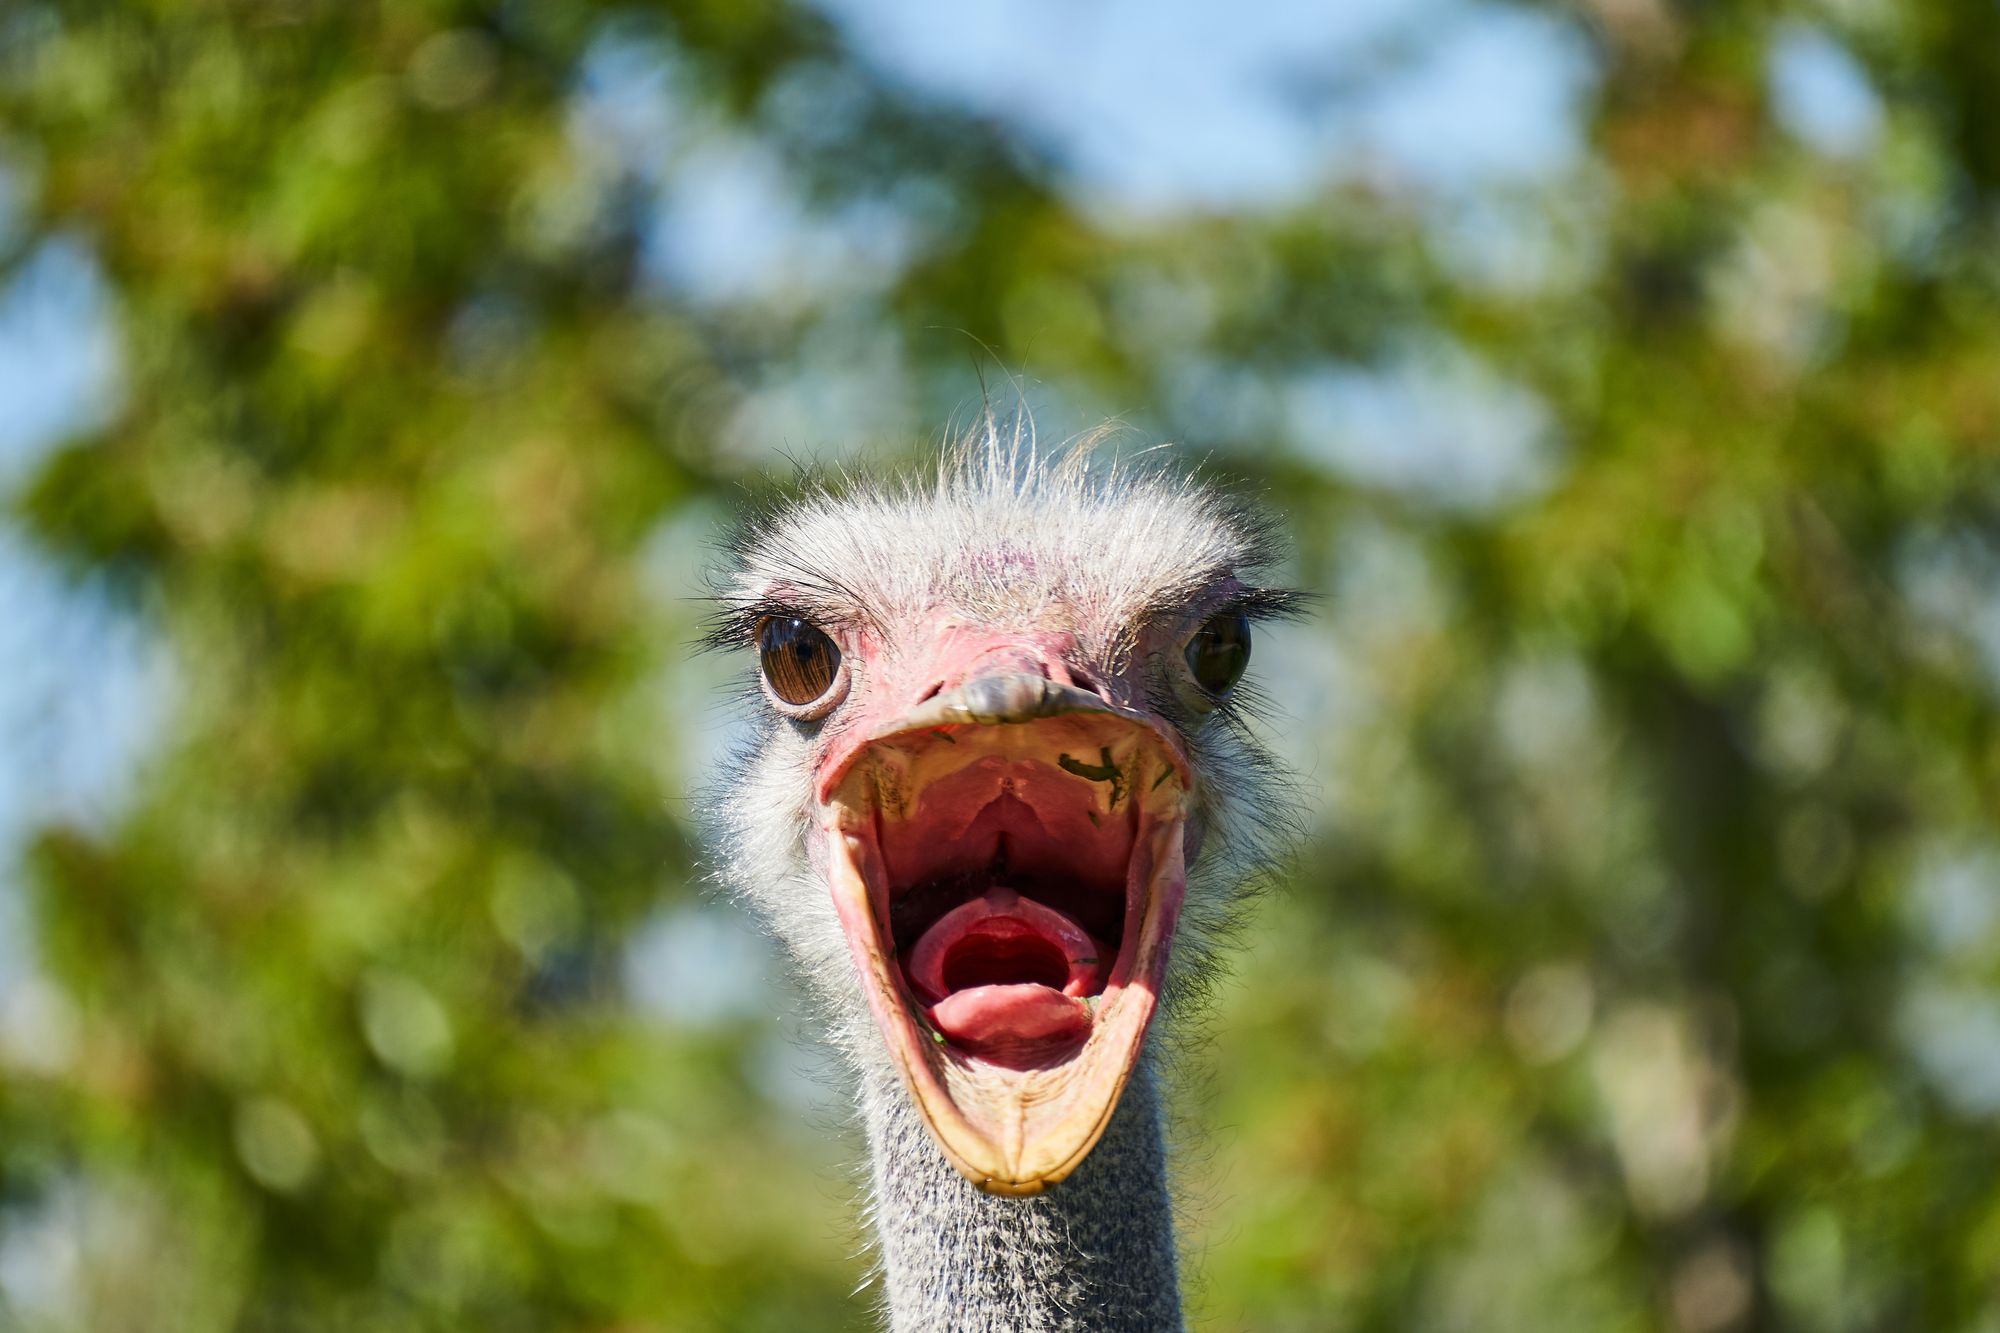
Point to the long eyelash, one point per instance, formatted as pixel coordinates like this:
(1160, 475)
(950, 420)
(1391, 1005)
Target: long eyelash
(819, 598)
(1245, 707)
(1265, 604)
(1260, 604)
(735, 626)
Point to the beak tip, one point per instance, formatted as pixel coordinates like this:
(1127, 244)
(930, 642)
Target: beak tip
(1014, 697)
(998, 698)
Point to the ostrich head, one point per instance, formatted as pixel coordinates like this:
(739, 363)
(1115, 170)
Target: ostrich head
(1003, 794)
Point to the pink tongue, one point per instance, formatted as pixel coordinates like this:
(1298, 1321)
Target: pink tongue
(1008, 1013)
(989, 1019)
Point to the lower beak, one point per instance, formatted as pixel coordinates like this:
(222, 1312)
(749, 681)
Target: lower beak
(1008, 1130)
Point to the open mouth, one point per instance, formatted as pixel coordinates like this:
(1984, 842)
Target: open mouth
(1009, 889)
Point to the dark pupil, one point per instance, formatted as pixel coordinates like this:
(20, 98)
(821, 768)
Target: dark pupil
(799, 661)
(1220, 650)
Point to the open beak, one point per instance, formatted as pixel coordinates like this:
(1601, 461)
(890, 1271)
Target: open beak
(1007, 864)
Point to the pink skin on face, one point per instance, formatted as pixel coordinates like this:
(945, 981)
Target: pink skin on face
(887, 689)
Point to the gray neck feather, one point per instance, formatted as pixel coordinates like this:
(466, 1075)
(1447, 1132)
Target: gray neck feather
(1093, 1255)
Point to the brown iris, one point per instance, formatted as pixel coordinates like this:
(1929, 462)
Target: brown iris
(1220, 650)
(799, 660)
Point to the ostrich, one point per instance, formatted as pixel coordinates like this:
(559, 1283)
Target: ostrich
(999, 807)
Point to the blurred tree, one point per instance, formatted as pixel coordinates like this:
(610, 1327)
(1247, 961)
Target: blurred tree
(1645, 972)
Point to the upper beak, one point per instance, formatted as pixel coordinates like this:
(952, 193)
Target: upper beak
(1001, 699)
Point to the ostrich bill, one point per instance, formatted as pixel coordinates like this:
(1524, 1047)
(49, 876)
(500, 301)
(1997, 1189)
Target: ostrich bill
(1006, 860)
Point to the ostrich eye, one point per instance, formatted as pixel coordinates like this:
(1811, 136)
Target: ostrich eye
(1220, 650)
(799, 660)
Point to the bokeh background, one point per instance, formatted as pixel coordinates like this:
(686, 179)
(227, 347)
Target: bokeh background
(374, 375)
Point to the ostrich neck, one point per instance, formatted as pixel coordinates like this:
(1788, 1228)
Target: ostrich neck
(1093, 1255)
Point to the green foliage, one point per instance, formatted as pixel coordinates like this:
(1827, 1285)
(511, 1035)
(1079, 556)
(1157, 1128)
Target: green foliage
(1633, 977)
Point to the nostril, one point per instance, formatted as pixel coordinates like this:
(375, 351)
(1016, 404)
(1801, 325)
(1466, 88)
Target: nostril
(931, 693)
(1089, 684)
